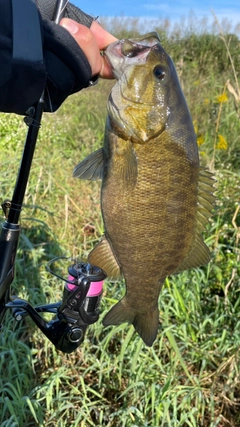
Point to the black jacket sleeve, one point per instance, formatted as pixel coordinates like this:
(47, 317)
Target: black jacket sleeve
(36, 53)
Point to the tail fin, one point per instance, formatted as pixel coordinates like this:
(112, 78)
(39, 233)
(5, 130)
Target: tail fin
(145, 324)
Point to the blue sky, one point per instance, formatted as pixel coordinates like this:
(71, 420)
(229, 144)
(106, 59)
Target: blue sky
(172, 10)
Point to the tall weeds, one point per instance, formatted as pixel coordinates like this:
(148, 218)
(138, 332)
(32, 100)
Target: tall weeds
(191, 376)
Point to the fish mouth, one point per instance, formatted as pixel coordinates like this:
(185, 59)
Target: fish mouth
(129, 52)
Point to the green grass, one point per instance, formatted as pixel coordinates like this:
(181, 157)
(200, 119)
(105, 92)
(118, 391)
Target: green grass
(191, 376)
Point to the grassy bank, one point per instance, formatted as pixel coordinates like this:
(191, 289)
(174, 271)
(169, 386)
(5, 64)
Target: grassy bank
(191, 376)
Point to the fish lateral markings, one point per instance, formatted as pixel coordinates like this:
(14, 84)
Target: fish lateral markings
(155, 197)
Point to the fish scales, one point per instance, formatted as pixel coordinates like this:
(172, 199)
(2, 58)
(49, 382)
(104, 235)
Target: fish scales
(166, 218)
(152, 198)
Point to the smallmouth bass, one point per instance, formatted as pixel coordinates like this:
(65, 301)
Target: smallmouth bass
(155, 198)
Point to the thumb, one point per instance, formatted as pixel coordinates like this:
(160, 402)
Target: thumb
(87, 42)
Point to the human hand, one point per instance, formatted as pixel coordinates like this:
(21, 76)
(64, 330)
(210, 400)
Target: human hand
(92, 41)
(63, 68)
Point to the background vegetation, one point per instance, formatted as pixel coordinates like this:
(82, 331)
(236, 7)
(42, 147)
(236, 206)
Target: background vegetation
(191, 376)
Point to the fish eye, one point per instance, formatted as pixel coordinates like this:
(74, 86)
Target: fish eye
(159, 72)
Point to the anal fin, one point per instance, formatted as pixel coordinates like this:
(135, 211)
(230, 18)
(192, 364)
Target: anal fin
(102, 256)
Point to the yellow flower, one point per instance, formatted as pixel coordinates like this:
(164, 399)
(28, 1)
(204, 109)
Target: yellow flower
(222, 143)
(195, 126)
(222, 98)
(200, 140)
(206, 101)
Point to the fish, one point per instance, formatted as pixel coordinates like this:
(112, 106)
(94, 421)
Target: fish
(155, 197)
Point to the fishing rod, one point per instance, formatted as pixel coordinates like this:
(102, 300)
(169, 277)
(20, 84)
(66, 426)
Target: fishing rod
(82, 292)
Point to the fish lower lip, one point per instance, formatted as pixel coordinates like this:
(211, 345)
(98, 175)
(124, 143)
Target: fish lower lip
(116, 73)
(107, 58)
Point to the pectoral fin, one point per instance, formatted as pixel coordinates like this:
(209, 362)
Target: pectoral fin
(126, 163)
(91, 167)
(102, 256)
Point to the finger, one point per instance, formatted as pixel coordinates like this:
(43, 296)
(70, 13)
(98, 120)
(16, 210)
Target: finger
(103, 37)
(87, 41)
(91, 41)
(106, 70)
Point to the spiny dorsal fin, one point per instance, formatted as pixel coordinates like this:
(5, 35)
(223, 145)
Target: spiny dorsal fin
(206, 184)
(102, 256)
(91, 167)
(206, 198)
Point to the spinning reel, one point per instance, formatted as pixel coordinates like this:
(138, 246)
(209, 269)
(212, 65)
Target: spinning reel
(79, 307)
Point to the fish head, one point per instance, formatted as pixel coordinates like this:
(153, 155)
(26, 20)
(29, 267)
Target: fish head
(128, 52)
(147, 95)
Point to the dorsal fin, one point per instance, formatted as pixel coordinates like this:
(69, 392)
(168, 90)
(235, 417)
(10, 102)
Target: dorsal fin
(199, 253)
(206, 198)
